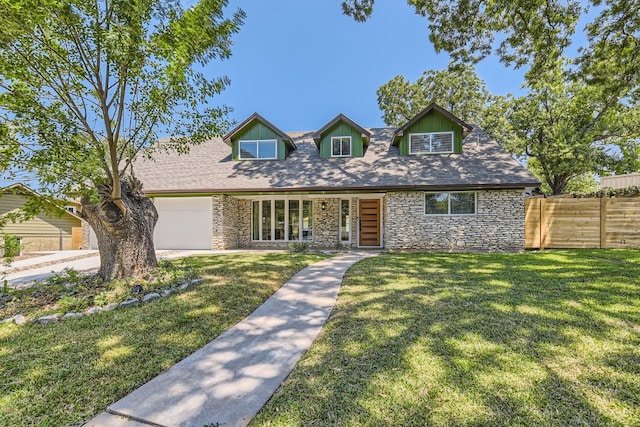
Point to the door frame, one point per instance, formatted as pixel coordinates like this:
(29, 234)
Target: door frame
(371, 197)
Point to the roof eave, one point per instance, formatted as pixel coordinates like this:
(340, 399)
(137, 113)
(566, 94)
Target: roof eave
(429, 187)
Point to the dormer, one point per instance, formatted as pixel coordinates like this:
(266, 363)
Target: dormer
(341, 137)
(258, 139)
(432, 131)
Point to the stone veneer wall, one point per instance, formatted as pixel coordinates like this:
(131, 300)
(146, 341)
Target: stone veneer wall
(225, 222)
(243, 225)
(326, 223)
(497, 225)
(86, 235)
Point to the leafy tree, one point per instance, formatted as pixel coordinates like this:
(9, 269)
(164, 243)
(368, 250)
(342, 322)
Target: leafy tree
(565, 128)
(458, 89)
(533, 33)
(582, 184)
(87, 86)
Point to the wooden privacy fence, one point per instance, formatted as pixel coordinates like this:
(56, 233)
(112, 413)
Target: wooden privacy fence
(76, 237)
(560, 222)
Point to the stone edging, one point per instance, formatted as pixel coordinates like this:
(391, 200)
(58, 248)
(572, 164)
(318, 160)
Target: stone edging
(19, 319)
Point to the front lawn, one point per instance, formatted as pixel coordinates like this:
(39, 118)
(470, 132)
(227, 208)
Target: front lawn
(540, 338)
(64, 374)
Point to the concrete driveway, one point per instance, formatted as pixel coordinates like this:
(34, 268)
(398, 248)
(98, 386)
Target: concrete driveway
(21, 273)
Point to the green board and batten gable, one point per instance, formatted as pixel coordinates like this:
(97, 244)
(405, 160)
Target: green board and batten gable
(257, 127)
(342, 126)
(432, 119)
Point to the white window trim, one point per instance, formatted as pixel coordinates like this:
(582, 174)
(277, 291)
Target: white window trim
(453, 142)
(350, 146)
(348, 242)
(475, 203)
(258, 141)
(286, 199)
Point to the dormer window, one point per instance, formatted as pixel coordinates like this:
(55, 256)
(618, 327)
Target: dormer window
(431, 143)
(258, 149)
(341, 146)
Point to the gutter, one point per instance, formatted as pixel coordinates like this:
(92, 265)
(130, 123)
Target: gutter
(338, 190)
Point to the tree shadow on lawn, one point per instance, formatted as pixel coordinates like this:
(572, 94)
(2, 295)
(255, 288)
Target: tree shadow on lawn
(65, 374)
(475, 339)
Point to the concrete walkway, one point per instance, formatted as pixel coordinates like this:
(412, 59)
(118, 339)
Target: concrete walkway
(228, 381)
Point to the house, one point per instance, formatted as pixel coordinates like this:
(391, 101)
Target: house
(434, 183)
(58, 229)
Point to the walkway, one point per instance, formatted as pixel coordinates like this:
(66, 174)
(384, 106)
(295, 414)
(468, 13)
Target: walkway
(228, 381)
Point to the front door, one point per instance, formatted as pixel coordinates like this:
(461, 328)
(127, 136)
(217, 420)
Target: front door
(369, 213)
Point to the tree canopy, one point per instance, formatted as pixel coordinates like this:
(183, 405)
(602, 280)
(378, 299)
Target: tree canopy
(535, 34)
(86, 85)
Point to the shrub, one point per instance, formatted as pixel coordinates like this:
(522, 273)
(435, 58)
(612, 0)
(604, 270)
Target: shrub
(11, 246)
(72, 304)
(298, 247)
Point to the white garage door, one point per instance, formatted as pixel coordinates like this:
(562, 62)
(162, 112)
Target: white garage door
(184, 223)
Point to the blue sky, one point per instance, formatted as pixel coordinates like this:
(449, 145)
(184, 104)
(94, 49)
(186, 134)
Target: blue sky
(301, 62)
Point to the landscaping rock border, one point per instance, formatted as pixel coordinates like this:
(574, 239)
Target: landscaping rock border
(19, 319)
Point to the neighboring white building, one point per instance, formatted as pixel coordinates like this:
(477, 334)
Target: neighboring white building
(620, 181)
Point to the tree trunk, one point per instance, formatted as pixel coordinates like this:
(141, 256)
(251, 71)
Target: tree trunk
(125, 241)
(558, 184)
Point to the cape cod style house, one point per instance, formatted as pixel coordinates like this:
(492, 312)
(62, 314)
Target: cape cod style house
(434, 183)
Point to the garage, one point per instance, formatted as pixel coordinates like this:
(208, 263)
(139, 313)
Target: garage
(184, 223)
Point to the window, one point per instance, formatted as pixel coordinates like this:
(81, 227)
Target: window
(430, 143)
(294, 220)
(279, 230)
(307, 220)
(459, 203)
(258, 149)
(266, 219)
(345, 223)
(341, 146)
(282, 219)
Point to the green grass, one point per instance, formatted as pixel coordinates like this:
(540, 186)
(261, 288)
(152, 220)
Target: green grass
(64, 374)
(549, 338)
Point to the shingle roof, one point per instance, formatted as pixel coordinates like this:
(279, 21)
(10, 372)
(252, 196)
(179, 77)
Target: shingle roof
(208, 168)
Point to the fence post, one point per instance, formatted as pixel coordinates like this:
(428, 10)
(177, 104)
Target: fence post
(603, 223)
(543, 226)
